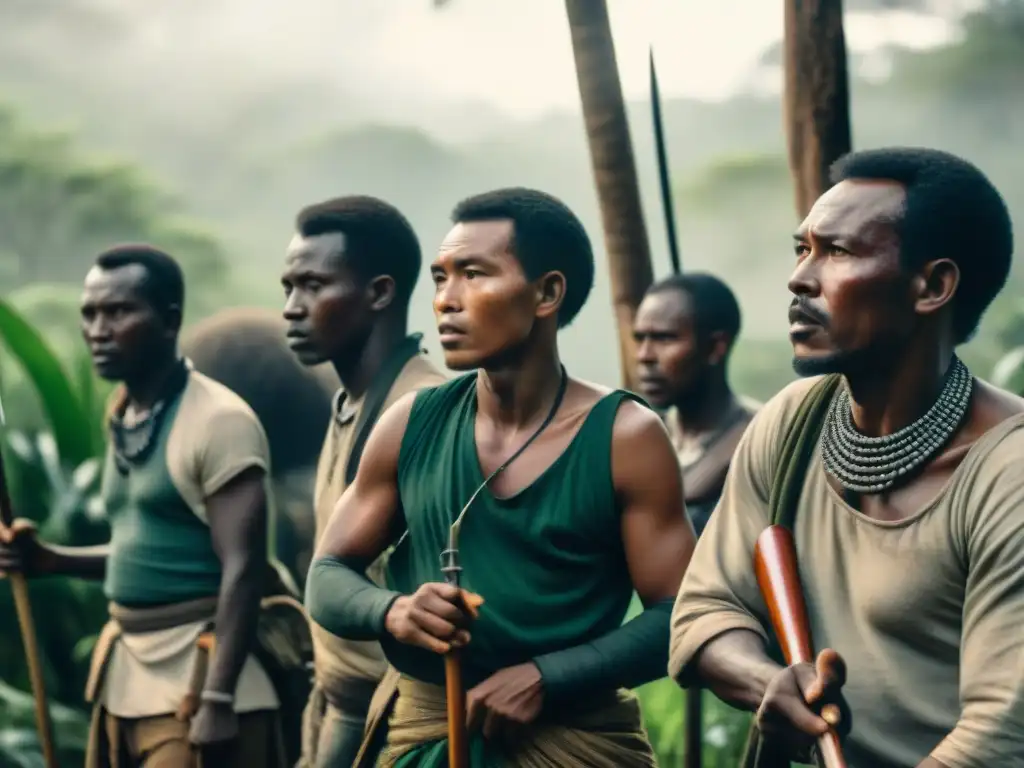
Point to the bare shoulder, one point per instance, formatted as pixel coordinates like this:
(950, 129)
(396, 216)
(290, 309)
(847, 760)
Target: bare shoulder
(637, 423)
(632, 417)
(395, 418)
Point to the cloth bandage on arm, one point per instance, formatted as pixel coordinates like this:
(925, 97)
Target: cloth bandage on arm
(343, 601)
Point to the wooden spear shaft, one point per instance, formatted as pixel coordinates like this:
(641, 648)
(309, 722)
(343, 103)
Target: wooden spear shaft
(816, 95)
(23, 607)
(455, 691)
(611, 156)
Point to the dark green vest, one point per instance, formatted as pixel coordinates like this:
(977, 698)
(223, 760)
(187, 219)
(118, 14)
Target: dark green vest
(549, 561)
(161, 552)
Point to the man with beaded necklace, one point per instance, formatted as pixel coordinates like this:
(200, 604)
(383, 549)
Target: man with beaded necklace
(184, 490)
(909, 526)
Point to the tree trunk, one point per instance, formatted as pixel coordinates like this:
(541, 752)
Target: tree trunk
(817, 96)
(611, 155)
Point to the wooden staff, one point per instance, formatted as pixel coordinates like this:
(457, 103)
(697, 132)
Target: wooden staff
(816, 95)
(23, 607)
(779, 580)
(611, 156)
(455, 692)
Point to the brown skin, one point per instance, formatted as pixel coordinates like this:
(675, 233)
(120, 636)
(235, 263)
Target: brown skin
(334, 316)
(507, 327)
(676, 367)
(238, 526)
(849, 275)
(134, 343)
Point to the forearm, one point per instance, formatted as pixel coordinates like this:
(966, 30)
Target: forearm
(736, 667)
(634, 654)
(931, 762)
(81, 562)
(343, 601)
(238, 609)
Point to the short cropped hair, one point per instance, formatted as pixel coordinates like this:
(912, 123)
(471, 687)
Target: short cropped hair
(715, 308)
(164, 286)
(953, 212)
(379, 240)
(546, 237)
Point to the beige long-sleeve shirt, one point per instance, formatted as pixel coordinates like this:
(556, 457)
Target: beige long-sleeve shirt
(928, 612)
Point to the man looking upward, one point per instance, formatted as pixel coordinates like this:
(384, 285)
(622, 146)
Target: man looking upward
(909, 522)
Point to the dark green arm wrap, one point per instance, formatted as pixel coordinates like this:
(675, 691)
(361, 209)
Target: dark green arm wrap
(634, 654)
(343, 601)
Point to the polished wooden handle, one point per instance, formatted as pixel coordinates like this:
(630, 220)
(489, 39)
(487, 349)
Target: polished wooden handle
(779, 580)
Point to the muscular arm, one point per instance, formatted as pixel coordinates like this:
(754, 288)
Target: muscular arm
(365, 521)
(736, 668)
(658, 540)
(237, 515)
(656, 532)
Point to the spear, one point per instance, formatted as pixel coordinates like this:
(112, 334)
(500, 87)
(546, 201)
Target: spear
(19, 586)
(693, 740)
(667, 206)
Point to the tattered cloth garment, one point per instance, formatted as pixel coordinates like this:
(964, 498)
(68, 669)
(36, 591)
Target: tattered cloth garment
(104, 737)
(606, 732)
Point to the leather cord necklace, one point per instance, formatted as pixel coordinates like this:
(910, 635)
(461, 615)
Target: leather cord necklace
(449, 557)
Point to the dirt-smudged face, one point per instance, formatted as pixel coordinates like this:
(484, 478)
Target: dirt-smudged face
(124, 332)
(486, 309)
(327, 306)
(853, 298)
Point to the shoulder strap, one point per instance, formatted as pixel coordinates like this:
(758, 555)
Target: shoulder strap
(376, 396)
(798, 448)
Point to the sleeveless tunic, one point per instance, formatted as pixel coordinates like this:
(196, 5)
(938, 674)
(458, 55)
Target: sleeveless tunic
(548, 561)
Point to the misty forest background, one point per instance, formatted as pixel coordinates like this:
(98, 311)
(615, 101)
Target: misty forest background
(96, 147)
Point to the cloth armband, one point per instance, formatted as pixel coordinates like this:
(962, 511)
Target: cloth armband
(634, 654)
(343, 601)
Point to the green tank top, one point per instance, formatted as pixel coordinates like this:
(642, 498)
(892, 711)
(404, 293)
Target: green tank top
(549, 561)
(160, 551)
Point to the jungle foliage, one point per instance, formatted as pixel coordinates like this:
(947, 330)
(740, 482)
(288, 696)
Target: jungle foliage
(248, 165)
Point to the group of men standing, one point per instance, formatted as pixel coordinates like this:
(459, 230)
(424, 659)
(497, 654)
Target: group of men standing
(563, 499)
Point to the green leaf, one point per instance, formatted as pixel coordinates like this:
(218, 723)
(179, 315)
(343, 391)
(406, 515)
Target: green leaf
(65, 411)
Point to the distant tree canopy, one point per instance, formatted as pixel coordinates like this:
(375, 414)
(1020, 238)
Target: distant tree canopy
(58, 209)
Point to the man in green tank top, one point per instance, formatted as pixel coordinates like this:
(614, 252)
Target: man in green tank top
(567, 497)
(349, 273)
(183, 487)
